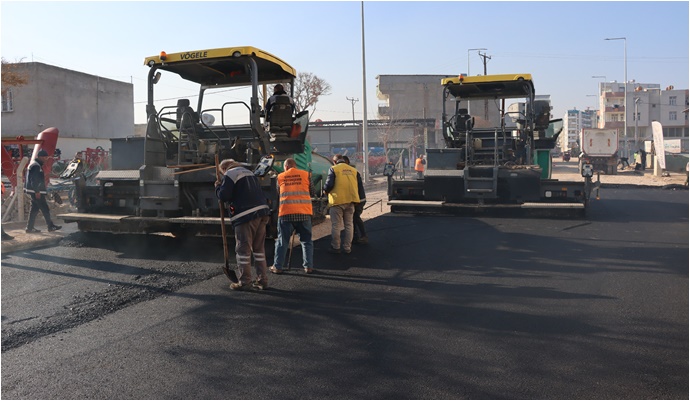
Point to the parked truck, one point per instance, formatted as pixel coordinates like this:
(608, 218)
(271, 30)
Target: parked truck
(164, 181)
(599, 149)
(504, 163)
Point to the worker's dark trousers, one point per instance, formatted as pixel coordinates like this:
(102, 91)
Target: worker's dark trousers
(36, 205)
(360, 232)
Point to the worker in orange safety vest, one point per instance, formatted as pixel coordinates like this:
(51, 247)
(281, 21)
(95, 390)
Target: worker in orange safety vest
(294, 214)
(419, 167)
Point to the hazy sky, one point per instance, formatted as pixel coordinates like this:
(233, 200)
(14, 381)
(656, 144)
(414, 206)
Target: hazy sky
(560, 43)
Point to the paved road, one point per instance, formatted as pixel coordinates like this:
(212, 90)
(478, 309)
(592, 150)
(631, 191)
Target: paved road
(435, 307)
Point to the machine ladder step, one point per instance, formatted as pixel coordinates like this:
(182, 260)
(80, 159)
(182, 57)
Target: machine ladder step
(481, 182)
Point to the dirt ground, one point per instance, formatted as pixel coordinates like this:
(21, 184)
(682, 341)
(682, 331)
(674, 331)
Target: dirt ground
(630, 177)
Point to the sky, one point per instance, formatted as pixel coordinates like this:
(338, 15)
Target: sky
(562, 44)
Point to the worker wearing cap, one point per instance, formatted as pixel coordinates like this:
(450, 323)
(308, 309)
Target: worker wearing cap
(341, 187)
(249, 215)
(36, 188)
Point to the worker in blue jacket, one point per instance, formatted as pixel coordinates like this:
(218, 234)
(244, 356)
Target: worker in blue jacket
(249, 215)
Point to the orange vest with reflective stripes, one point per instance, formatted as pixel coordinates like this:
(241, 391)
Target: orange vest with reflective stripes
(294, 192)
(419, 166)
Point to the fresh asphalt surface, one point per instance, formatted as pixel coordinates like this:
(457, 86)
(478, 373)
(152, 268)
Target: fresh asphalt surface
(435, 307)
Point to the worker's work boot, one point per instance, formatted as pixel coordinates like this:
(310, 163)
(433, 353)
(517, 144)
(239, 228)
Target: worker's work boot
(333, 250)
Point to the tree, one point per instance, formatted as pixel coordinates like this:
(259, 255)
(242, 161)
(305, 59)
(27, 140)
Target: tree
(308, 89)
(11, 76)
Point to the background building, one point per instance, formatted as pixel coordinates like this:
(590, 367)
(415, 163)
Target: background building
(87, 110)
(646, 103)
(573, 122)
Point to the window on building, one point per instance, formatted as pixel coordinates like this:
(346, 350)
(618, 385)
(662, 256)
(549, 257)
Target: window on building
(673, 132)
(672, 100)
(7, 101)
(672, 115)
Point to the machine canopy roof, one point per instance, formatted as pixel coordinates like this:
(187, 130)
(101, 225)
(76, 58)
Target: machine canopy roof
(224, 67)
(504, 86)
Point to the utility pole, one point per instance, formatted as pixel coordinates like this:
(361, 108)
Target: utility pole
(353, 101)
(486, 101)
(485, 57)
(469, 102)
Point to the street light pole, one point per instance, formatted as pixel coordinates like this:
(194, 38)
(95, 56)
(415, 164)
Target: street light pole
(625, 91)
(468, 57)
(637, 117)
(365, 139)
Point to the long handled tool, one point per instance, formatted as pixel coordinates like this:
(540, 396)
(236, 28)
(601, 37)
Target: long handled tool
(289, 261)
(230, 273)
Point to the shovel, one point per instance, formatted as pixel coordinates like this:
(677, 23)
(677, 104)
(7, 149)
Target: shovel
(230, 273)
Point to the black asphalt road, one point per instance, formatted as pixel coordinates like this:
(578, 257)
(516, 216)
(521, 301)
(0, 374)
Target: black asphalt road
(435, 307)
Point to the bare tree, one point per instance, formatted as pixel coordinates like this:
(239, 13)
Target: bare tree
(308, 89)
(11, 76)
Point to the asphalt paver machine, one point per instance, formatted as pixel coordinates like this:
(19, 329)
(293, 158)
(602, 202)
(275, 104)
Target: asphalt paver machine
(164, 181)
(498, 138)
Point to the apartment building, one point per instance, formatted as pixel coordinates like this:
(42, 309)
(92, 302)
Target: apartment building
(573, 122)
(646, 103)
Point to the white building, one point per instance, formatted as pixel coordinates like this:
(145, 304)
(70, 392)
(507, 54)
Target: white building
(573, 122)
(88, 110)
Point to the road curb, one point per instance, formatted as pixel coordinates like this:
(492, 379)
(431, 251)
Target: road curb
(12, 246)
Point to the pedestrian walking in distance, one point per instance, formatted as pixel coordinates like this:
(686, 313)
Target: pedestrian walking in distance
(36, 189)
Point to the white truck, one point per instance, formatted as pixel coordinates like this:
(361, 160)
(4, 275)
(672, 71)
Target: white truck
(600, 149)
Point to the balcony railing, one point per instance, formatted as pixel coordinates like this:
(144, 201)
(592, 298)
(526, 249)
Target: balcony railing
(619, 109)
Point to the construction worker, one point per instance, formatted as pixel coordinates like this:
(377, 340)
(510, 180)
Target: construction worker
(278, 90)
(294, 214)
(249, 215)
(359, 233)
(36, 188)
(419, 167)
(341, 187)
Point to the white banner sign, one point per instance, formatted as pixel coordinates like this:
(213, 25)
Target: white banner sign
(658, 135)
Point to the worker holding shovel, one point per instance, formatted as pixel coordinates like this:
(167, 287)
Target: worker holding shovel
(249, 215)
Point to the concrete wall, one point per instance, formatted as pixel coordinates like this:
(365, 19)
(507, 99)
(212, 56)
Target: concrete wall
(412, 96)
(78, 104)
